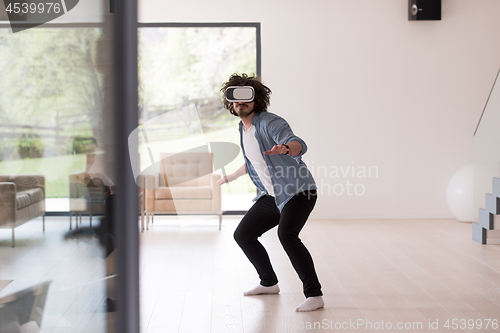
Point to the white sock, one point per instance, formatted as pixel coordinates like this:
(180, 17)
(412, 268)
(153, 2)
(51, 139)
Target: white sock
(311, 304)
(263, 290)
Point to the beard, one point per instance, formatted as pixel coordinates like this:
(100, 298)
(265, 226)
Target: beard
(243, 111)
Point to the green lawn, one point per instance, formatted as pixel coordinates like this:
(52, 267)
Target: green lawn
(56, 169)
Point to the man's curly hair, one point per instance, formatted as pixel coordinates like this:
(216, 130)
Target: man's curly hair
(262, 93)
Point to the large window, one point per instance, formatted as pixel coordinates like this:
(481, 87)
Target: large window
(54, 104)
(50, 102)
(56, 139)
(52, 133)
(181, 69)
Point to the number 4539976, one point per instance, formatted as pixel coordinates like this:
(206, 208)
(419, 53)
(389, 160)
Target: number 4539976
(24, 8)
(471, 324)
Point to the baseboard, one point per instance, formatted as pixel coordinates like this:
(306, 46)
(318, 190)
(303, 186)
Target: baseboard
(229, 212)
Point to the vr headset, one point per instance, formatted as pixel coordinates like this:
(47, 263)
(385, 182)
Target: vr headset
(236, 94)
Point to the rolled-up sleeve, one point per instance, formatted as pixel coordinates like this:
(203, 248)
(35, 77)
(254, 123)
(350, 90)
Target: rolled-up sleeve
(282, 134)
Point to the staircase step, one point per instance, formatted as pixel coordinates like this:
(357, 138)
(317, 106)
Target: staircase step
(492, 204)
(478, 233)
(486, 219)
(496, 187)
(496, 222)
(493, 237)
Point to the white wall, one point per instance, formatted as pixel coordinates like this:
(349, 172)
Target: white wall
(359, 82)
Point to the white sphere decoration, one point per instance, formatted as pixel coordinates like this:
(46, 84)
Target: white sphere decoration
(460, 194)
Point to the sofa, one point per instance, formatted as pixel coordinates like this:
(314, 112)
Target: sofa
(184, 184)
(22, 198)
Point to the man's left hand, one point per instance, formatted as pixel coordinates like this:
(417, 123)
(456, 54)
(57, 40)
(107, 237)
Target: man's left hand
(277, 149)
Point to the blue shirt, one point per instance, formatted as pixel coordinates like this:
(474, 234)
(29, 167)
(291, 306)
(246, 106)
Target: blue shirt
(289, 174)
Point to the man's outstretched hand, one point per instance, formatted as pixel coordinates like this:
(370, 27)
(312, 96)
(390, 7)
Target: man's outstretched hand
(223, 180)
(277, 149)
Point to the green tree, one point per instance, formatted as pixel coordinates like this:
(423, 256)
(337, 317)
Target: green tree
(49, 75)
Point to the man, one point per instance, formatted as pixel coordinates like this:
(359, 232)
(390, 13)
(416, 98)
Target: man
(95, 179)
(97, 184)
(99, 187)
(273, 160)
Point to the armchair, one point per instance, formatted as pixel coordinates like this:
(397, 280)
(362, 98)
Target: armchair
(185, 184)
(85, 199)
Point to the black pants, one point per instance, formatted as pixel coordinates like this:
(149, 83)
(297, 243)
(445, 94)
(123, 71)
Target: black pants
(263, 216)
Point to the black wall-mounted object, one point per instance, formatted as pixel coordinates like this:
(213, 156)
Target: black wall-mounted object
(424, 10)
